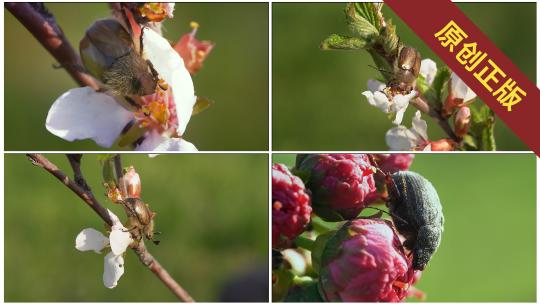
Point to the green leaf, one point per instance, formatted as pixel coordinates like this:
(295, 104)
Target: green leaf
(282, 282)
(389, 39)
(318, 249)
(103, 157)
(483, 127)
(339, 42)
(109, 173)
(131, 135)
(201, 105)
(307, 292)
(368, 11)
(360, 20)
(435, 93)
(421, 84)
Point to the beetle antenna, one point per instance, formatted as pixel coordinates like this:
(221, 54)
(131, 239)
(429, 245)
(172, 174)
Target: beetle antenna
(379, 69)
(390, 214)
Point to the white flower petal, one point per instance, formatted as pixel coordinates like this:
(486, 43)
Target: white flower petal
(170, 67)
(113, 269)
(400, 139)
(90, 239)
(460, 89)
(157, 142)
(119, 240)
(428, 69)
(83, 113)
(377, 99)
(399, 116)
(400, 104)
(419, 125)
(375, 85)
(117, 224)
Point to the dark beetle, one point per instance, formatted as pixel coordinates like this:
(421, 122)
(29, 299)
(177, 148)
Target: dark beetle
(417, 212)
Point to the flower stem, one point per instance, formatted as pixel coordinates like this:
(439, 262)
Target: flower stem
(305, 243)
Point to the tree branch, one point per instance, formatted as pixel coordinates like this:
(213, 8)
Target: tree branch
(42, 25)
(40, 161)
(87, 196)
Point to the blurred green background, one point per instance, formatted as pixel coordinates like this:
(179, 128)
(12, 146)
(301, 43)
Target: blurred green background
(488, 248)
(235, 75)
(214, 224)
(317, 102)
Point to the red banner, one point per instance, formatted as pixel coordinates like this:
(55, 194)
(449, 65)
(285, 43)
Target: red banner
(478, 62)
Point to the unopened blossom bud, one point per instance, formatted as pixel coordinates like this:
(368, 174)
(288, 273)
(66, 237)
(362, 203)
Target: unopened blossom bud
(462, 121)
(458, 94)
(392, 163)
(291, 208)
(193, 51)
(365, 262)
(339, 183)
(444, 144)
(131, 183)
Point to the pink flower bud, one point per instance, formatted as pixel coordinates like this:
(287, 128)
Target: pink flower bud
(193, 51)
(365, 262)
(131, 184)
(462, 121)
(444, 144)
(291, 210)
(339, 183)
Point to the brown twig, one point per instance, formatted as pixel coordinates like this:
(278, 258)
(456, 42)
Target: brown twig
(42, 25)
(86, 195)
(40, 161)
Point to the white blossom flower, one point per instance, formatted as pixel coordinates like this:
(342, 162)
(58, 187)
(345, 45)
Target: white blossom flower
(396, 104)
(460, 90)
(402, 139)
(83, 113)
(119, 239)
(428, 69)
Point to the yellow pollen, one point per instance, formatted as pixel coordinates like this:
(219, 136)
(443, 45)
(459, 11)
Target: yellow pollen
(194, 25)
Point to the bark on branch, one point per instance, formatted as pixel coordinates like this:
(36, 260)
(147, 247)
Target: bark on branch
(42, 25)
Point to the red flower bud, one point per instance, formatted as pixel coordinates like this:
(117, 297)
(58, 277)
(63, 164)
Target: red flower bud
(193, 51)
(290, 207)
(365, 262)
(339, 183)
(462, 121)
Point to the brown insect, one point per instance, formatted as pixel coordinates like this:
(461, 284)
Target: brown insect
(110, 54)
(406, 69)
(141, 218)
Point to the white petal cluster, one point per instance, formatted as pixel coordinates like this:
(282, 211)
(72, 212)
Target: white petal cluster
(119, 239)
(401, 138)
